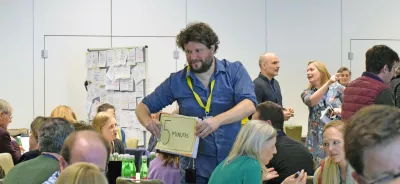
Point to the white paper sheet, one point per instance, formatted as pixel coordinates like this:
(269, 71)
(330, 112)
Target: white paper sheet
(131, 60)
(110, 97)
(117, 60)
(132, 100)
(103, 95)
(93, 110)
(139, 55)
(112, 85)
(111, 72)
(88, 60)
(126, 85)
(102, 59)
(123, 72)
(139, 72)
(117, 100)
(123, 57)
(139, 89)
(98, 76)
(89, 75)
(95, 58)
(124, 101)
(110, 57)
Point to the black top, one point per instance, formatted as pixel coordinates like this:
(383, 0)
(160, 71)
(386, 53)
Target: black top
(267, 90)
(118, 147)
(291, 157)
(29, 155)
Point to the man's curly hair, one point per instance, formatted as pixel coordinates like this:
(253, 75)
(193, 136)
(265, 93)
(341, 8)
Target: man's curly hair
(198, 32)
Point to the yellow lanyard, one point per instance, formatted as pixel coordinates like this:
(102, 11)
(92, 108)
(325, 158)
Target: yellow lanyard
(197, 97)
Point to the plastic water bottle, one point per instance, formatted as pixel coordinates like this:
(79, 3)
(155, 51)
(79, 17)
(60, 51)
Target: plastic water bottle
(132, 166)
(144, 171)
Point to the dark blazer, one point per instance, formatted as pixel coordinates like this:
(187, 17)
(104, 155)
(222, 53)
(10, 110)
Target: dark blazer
(29, 155)
(9, 146)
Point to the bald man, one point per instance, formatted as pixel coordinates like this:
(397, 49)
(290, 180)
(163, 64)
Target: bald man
(83, 146)
(266, 86)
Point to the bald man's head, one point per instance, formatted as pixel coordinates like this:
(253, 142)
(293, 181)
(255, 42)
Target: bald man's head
(269, 65)
(85, 146)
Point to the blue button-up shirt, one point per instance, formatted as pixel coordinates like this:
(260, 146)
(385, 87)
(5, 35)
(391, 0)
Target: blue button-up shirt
(232, 85)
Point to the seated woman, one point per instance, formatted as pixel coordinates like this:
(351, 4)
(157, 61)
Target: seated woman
(65, 112)
(335, 168)
(253, 148)
(82, 172)
(111, 109)
(33, 139)
(7, 143)
(165, 167)
(106, 124)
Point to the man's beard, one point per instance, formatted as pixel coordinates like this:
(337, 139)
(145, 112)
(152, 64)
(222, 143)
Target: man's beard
(205, 65)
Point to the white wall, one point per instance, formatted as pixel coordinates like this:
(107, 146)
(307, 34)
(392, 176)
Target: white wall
(16, 64)
(300, 31)
(296, 31)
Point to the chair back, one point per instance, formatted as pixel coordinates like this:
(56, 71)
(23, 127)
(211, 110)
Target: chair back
(132, 143)
(6, 162)
(310, 180)
(293, 131)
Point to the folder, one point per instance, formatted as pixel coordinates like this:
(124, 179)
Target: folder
(178, 135)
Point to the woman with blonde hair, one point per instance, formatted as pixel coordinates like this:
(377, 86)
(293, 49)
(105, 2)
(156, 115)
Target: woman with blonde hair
(65, 112)
(334, 169)
(106, 124)
(253, 148)
(323, 95)
(82, 173)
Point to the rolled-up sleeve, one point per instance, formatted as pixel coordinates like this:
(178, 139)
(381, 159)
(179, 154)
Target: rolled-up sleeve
(161, 97)
(243, 86)
(306, 97)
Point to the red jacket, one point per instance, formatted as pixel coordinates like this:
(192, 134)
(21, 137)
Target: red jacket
(360, 93)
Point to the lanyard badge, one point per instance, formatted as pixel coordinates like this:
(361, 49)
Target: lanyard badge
(197, 97)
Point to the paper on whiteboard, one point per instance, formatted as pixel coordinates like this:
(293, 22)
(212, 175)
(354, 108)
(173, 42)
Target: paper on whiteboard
(111, 72)
(126, 85)
(118, 113)
(102, 59)
(88, 105)
(117, 57)
(88, 60)
(93, 110)
(112, 85)
(123, 57)
(132, 100)
(139, 55)
(110, 97)
(117, 100)
(139, 72)
(103, 95)
(139, 89)
(91, 92)
(110, 57)
(89, 75)
(95, 58)
(98, 76)
(131, 60)
(123, 72)
(124, 101)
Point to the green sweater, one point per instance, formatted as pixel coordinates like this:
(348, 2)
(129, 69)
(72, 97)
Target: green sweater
(34, 171)
(242, 169)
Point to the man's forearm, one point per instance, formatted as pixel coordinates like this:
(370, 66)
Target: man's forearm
(143, 114)
(242, 110)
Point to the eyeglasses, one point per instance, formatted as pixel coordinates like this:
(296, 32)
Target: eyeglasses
(385, 178)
